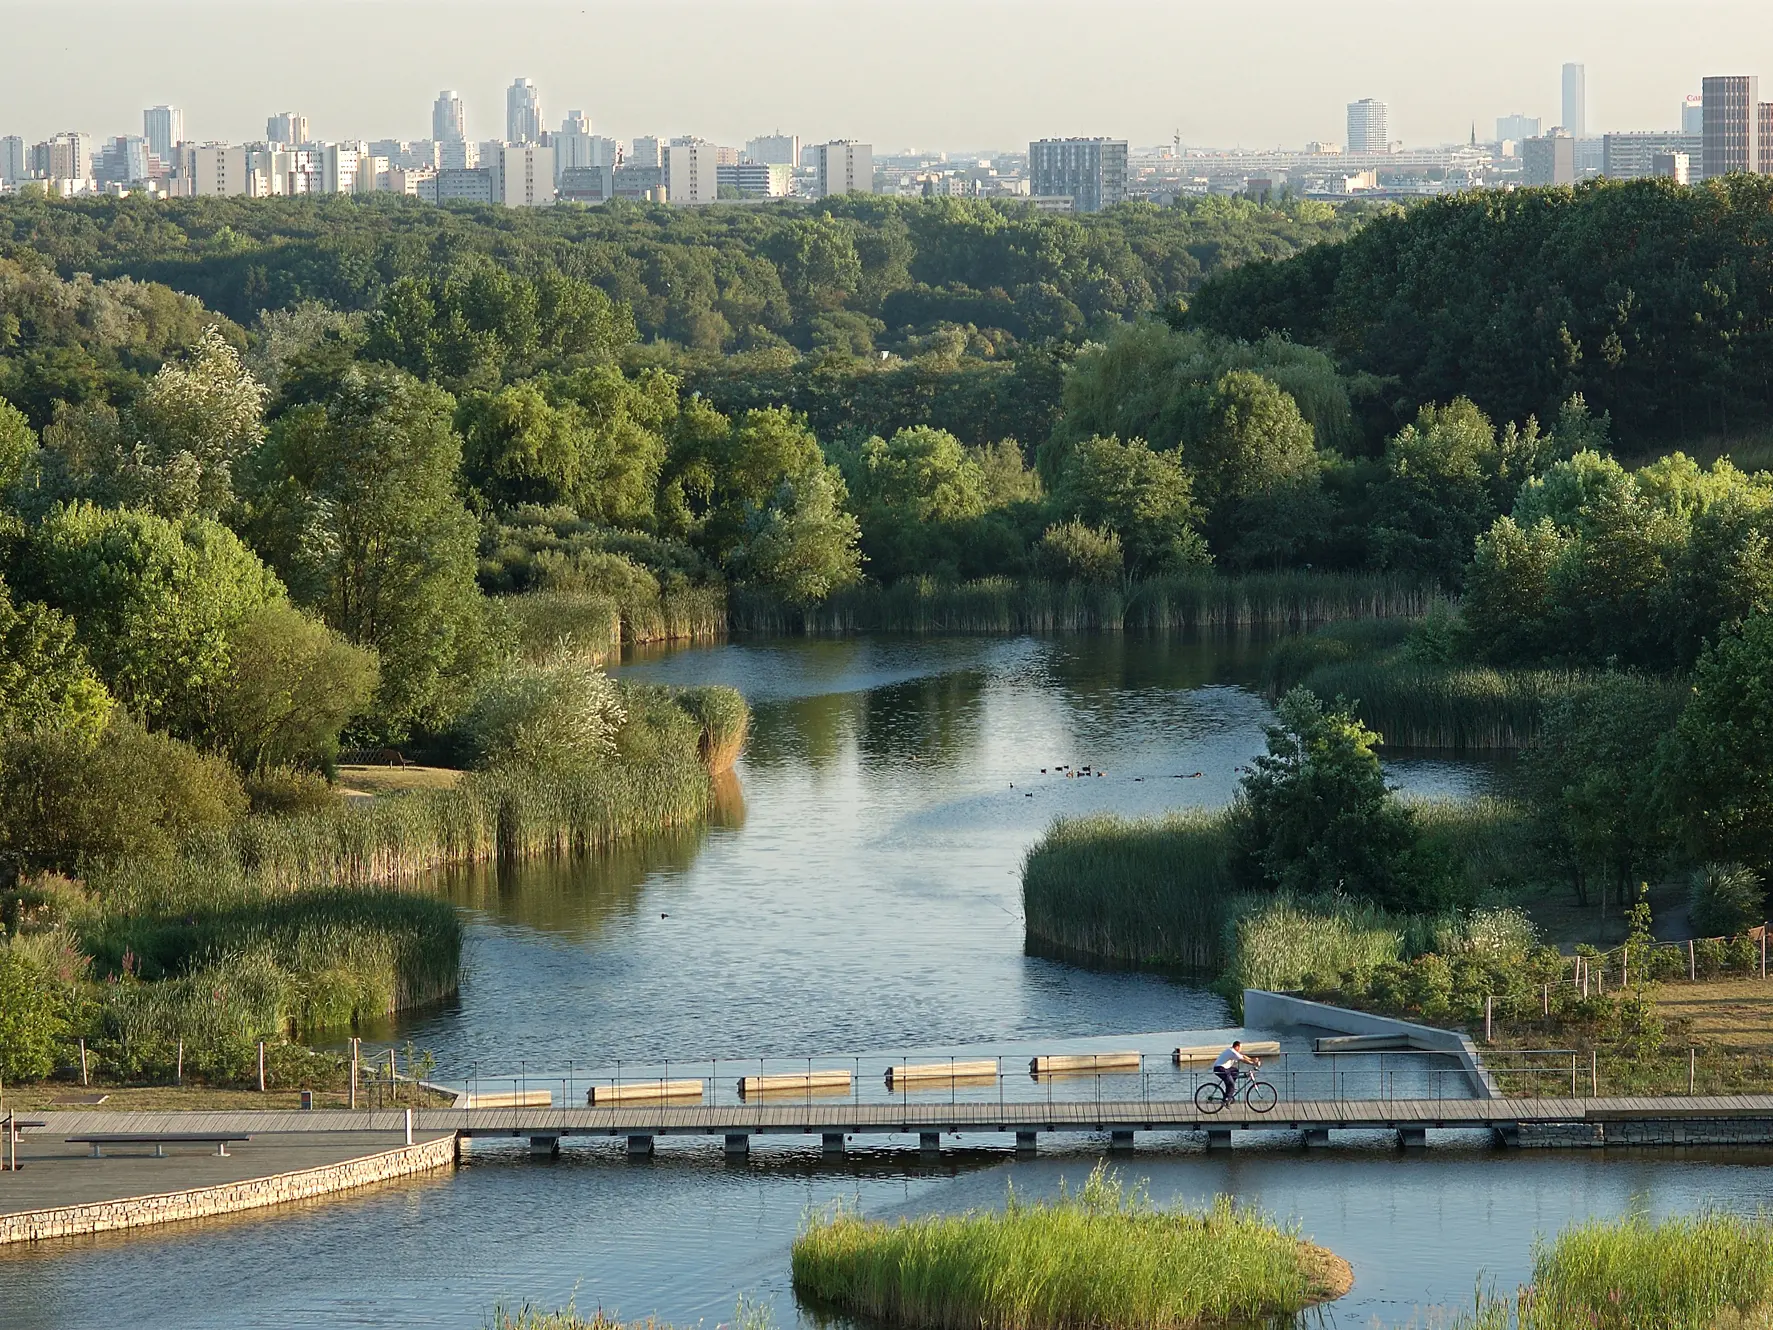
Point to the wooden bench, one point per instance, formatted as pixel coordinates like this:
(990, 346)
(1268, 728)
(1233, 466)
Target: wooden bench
(158, 1139)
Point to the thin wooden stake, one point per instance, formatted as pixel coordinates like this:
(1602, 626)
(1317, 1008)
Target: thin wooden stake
(1594, 1073)
(261, 1066)
(1692, 1068)
(1692, 963)
(178, 1074)
(83, 1079)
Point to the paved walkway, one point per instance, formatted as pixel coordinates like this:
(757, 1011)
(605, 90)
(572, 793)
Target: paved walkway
(56, 1174)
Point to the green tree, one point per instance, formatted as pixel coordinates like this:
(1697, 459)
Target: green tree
(155, 603)
(355, 502)
(920, 475)
(33, 1017)
(1141, 495)
(1720, 761)
(1073, 552)
(202, 414)
(45, 680)
(18, 449)
(801, 543)
(1314, 815)
(1257, 473)
(292, 686)
(1595, 784)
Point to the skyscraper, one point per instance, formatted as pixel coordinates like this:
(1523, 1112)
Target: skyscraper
(572, 145)
(523, 113)
(1693, 114)
(163, 127)
(1732, 133)
(287, 127)
(1091, 172)
(1367, 127)
(448, 124)
(1576, 101)
(12, 160)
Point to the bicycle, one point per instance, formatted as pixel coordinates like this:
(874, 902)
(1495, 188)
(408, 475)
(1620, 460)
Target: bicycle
(1258, 1094)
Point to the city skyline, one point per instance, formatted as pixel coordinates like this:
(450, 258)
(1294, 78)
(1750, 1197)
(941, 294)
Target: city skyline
(704, 80)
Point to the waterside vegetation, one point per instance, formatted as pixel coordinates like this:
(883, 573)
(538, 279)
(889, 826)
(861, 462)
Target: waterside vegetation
(1102, 1256)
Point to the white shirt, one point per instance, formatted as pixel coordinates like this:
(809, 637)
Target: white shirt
(1230, 1058)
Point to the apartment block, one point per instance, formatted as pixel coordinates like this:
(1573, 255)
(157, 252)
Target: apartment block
(844, 166)
(1092, 173)
(1732, 134)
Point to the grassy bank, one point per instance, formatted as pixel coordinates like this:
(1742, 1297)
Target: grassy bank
(1100, 1258)
(1161, 605)
(1705, 1272)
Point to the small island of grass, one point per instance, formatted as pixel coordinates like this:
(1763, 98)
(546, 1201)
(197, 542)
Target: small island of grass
(1100, 1257)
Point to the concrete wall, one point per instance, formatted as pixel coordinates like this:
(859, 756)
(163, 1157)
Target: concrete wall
(1273, 1011)
(228, 1198)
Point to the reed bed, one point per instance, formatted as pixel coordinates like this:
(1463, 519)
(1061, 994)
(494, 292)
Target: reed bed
(1702, 1272)
(1146, 892)
(1282, 943)
(1205, 601)
(594, 625)
(1434, 706)
(1099, 1258)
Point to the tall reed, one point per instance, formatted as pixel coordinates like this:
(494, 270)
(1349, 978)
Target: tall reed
(1437, 706)
(1161, 605)
(1701, 1272)
(1099, 1258)
(1148, 892)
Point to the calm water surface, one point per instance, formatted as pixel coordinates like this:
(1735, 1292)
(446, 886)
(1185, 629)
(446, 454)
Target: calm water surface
(858, 895)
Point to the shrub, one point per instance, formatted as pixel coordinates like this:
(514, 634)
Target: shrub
(562, 714)
(1076, 552)
(33, 1017)
(1726, 899)
(286, 792)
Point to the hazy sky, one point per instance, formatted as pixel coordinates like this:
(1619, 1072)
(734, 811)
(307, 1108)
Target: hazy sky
(899, 73)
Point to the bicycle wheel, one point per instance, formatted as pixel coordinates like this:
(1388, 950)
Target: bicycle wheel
(1261, 1096)
(1208, 1097)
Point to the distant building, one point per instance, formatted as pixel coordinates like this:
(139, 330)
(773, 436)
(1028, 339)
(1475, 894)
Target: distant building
(457, 155)
(464, 185)
(1092, 173)
(163, 127)
(1675, 166)
(1576, 101)
(1321, 148)
(1766, 148)
(289, 127)
(523, 113)
(588, 184)
(774, 150)
(1369, 130)
(526, 176)
(417, 182)
(692, 173)
(1633, 156)
(1549, 160)
(449, 122)
(217, 170)
(572, 144)
(13, 167)
(1517, 127)
(755, 180)
(1732, 133)
(66, 156)
(122, 161)
(646, 151)
(1693, 114)
(639, 182)
(340, 165)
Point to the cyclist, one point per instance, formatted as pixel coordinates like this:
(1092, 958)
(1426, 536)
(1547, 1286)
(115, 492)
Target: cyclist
(1225, 1067)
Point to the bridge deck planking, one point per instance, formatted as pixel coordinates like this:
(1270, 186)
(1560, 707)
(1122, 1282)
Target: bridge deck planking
(911, 1118)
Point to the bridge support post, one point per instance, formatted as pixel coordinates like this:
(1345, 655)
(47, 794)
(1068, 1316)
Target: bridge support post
(544, 1147)
(1218, 1138)
(832, 1142)
(1509, 1133)
(929, 1143)
(1316, 1137)
(738, 1144)
(1120, 1142)
(640, 1147)
(1025, 1143)
(1412, 1138)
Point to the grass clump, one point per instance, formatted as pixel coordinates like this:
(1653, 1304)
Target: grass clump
(1147, 892)
(1703, 1272)
(1103, 1257)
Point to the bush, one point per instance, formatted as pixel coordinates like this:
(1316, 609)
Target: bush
(286, 792)
(33, 1017)
(65, 800)
(556, 715)
(1076, 552)
(1727, 899)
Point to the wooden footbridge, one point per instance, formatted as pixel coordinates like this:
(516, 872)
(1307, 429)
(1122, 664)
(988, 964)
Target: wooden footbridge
(1670, 1120)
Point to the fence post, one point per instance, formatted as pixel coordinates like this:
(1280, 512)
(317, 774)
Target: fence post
(355, 1050)
(1594, 1074)
(178, 1075)
(261, 1066)
(1692, 963)
(1763, 951)
(83, 1079)
(1692, 1067)
(1489, 1019)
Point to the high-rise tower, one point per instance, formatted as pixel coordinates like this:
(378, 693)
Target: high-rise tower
(1576, 101)
(523, 113)
(448, 124)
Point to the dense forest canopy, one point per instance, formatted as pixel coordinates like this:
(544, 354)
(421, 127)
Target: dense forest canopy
(1653, 301)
